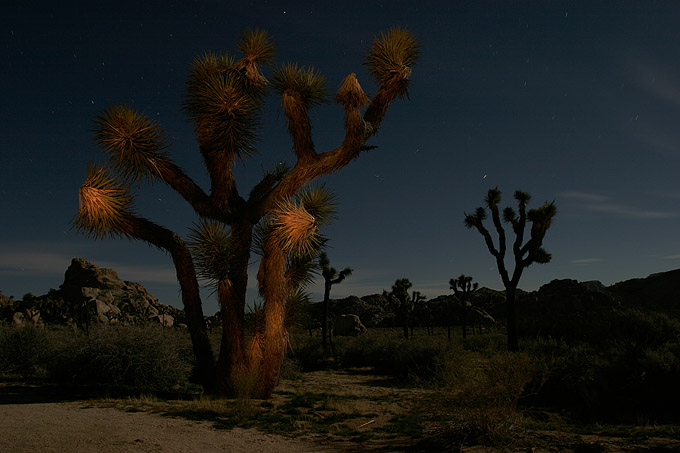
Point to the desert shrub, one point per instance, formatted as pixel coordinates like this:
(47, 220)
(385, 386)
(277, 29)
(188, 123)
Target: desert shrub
(477, 399)
(499, 380)
(601, 326)
(490, 343)
(619, 381)
(307, 353)
(134, 357)
(468, 426)
(23, 351)
(410, 361)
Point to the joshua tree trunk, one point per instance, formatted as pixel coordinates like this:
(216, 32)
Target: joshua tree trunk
(275, 337)
(324, 323)
(465, 308)
(513, 343)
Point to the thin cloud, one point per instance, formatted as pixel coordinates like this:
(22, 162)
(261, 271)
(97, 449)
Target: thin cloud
(19, 263)
(586, 261)
(671, 257)
(603, 204)
(584, 196)
(655, 80)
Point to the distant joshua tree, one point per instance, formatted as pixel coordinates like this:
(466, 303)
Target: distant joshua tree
(463, 287)
(403, 305)
(225, 96)
(331, 277)
(524, 255)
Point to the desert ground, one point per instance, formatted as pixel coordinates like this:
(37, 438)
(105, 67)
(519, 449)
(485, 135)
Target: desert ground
(32, 419)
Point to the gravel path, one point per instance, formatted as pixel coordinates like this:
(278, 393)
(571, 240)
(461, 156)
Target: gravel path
(69, 427)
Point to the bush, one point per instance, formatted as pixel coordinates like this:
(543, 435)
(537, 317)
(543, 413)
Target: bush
(23, 351)
(410, 361)
(133, 357)
(127, 358)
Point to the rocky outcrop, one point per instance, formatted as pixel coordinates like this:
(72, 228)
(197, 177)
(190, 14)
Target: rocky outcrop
(348, 325)
(92, 295)
(659, 292)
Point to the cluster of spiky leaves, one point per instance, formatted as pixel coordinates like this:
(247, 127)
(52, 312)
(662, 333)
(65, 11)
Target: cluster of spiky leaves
(105, 205)
(300, 271)
(317, 201)
(209, 242)
(136, 144)
(331, 274)
(291, 79)
(257, 46)
(540, 218)
(476, 218)
(350, 93)
(392, 54)
(294, 229)
(257, 49)
(463, 284)
(223, 108)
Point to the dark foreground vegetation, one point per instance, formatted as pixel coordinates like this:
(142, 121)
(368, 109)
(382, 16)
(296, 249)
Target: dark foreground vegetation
(614, 371)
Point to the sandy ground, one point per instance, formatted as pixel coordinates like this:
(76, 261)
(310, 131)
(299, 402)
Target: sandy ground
(71, 427)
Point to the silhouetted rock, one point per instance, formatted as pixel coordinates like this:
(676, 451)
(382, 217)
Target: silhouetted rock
(348, 325)
(660, 292)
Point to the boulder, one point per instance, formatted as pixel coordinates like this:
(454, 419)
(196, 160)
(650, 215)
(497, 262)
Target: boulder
(349, 325)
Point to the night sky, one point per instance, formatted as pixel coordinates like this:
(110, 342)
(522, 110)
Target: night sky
(577, 102)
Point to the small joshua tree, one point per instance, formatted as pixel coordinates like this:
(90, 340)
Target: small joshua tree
(403, 305)
(225, 96)
(524, 254)
(463, 287)
(331, 277)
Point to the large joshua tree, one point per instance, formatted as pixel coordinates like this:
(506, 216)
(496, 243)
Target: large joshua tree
(330, 277)
(463, 287)
(224, 99)
(524, 254)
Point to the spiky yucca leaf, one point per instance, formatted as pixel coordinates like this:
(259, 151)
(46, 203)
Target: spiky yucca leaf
(105, 205)
(297, 309)
(260, 233)
(351, 93)
(472, 220)
(522, 197)
(255, 319)
(320, 202)
(257, 49)
(493, 197)
(306, 82)
(393, 52)
(509, 215)
(301, 271)
(209, 243)
(256, 46)
(134, 142)
(294, 229)
(225, 115)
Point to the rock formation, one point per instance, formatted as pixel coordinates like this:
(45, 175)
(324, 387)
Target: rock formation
(348, 325)
(92, 295)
